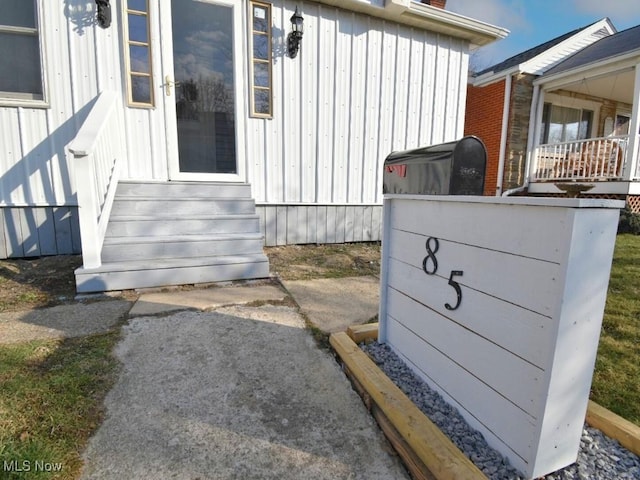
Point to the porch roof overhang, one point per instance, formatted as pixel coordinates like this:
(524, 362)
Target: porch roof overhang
(426, 17)
(626, 62)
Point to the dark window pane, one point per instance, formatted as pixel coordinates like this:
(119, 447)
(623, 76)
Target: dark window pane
(585, 124)
(140, 5)
(260, 46)
(262, 102)
(20, 64)
(140, 89)
(138, 28)
(260, 74)
(18, 13)
(139, 59)
(622, 125)
(260, 18)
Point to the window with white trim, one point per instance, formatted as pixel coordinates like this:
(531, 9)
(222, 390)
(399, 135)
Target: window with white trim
(565, 124)
(138, 54)
(20, 61)
(260, 74)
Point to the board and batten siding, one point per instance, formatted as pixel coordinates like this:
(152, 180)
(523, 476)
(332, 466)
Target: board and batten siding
(79, 60)
(360, 88)
(37, 182)
(39, 231)
(300, 224)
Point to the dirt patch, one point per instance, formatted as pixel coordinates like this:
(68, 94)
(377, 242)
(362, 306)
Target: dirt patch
(37, 282)
(47, 281)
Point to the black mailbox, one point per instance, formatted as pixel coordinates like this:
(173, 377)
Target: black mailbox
(453, 168)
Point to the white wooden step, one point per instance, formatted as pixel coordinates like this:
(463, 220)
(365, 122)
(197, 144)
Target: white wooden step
(172, 207)
(126, 225)
(128, 275)
(179, 246)
(184, 189)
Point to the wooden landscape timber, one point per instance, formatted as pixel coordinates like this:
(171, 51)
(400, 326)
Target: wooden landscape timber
(402, 423)
(614, 426)
(441, 458)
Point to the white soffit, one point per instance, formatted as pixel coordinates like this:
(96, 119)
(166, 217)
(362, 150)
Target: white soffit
(554, 55)
(426, 17)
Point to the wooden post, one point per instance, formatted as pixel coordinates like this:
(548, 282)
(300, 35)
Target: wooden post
(84, 169)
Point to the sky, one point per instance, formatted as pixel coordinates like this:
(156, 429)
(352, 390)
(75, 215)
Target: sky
(532, 22)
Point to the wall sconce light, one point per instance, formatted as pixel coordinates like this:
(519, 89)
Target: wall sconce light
(104, 13)
(295, 36)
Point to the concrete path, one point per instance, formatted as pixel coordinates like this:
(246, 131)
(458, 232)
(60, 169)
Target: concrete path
(237, 392)
(62, 321)
(333, 304)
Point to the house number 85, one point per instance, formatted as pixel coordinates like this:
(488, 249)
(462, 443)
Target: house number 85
(430, 267)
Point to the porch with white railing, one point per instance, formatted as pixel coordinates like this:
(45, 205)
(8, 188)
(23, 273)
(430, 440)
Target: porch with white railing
(591, 160)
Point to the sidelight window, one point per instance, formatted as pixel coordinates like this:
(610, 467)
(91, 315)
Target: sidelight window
(138, 54)
(260, 71)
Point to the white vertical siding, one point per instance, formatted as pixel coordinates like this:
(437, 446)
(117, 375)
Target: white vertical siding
(359, 88)
(324, 149)
(80, 60)
(370, 171)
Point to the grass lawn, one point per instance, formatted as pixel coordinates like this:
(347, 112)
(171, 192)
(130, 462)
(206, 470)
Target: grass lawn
(51, 402)
(616, 381)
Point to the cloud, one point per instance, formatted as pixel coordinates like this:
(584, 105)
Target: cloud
(619, 8)
(509, 14)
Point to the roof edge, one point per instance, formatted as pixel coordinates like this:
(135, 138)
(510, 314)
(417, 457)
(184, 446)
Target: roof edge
(614, 63)
(427, 17)
(528, 66)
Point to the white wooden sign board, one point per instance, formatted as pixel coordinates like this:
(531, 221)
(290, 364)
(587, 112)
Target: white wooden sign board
(497, 304)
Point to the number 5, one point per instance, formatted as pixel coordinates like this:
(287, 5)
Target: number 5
(456, 287)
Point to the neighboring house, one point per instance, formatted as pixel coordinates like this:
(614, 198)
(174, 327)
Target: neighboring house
(169, 141)
(564, 112)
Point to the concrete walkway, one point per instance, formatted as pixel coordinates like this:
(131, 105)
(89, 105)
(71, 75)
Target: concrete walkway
(226, 383)
(333, 304)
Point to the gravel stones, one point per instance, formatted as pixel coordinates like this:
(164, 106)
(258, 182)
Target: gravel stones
(599, 457)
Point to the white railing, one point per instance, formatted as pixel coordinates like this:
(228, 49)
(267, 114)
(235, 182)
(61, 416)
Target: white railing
(636, 163)
(96, 153)
(595, 159)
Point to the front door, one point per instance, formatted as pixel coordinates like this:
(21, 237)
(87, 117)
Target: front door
(200, 62)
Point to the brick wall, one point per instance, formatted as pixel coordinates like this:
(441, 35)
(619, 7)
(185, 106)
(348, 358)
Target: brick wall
(435, 3)
(483, 118)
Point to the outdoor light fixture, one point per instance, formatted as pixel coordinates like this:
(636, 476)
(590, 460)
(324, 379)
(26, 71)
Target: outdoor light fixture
(294, 38)
(104, 13)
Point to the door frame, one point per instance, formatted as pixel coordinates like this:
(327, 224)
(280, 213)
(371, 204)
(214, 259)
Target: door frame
(171, 128)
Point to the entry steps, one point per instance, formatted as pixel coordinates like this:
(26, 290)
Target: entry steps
(174, 233)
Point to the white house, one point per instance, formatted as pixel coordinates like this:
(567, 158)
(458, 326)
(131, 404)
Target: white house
(169, 140)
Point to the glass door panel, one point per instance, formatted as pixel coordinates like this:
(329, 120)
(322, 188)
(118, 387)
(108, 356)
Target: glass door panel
(203, 41)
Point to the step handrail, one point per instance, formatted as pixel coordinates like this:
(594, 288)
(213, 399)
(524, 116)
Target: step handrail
(96, 153)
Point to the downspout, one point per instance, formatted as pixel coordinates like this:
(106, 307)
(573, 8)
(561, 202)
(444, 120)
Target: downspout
(504, 133)
(533, 115)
